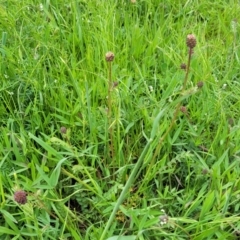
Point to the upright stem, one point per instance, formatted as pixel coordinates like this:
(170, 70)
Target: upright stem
(187, 69)
(110, 128)
(176, 110)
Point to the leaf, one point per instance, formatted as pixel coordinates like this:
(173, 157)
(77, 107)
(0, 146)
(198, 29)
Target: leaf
(45, 145)
(207, 205)
(56, 173)
(131, 237)
(8, 215)
(156, 123)
(207, 233)
(128, 127)
(42, 176)
(176, 134)
(4, 230)
(185, 220)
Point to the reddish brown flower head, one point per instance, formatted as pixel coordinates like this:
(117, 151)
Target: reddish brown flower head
(115, 84)
(183, 109)
(191, 41)
(205, 171)
(183, 66)
(200, 84)
(20, 197)
(109, 56)
(63, 130)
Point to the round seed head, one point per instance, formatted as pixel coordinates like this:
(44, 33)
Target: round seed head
(183, 66)
(205, 171)
(63, 130)
(191, 41)
(183, 109)
(20, 197)
(200, 84)
(115, 84)
(109, 56)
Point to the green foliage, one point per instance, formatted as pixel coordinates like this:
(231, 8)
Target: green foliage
(150, 169)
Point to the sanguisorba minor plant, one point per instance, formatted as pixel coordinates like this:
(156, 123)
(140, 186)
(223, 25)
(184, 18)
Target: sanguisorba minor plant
(191, 43)
(154, 138)
(110, 148)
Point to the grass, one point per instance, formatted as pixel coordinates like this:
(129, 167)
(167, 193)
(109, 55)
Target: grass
(123, 150)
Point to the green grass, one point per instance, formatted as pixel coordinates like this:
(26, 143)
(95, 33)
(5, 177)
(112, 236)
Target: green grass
(118, 173)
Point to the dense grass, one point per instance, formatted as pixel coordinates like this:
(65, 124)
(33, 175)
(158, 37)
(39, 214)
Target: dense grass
(103, 155)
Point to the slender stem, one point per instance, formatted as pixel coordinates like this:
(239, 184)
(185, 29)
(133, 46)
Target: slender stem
(176, 110)
(187, 69)
(110, 128)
